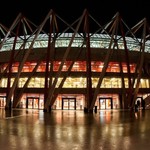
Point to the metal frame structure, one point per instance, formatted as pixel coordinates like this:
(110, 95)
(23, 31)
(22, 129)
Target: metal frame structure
(23, 36)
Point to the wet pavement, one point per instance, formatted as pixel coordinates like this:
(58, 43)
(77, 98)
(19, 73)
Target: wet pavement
(74, 130)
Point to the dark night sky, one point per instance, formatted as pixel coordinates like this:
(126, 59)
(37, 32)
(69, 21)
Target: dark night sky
(102, 10)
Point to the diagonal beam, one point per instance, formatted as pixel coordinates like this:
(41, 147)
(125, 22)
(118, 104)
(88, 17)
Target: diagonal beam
(89, 94)
(128, 93)
(106, 61)
(17, 99)
(65, 76)
(24, 60)
(11, 28)
(140, 65)
(52, 88)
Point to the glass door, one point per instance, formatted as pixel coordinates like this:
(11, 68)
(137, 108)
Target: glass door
(69, 103)
(32, 102)
(2, 101)
(105, 103)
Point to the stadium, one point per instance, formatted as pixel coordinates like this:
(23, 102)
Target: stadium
(82, 65)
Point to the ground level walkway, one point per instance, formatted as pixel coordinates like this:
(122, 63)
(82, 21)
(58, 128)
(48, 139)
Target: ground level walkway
(74, 130)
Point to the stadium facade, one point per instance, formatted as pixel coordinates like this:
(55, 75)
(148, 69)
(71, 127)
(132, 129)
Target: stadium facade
(81, 65)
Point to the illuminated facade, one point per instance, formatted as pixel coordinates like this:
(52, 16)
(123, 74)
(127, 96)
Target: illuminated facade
(75, 69)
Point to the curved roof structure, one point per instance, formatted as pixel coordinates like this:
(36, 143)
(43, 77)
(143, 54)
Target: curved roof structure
(96, 41)
(100, 37)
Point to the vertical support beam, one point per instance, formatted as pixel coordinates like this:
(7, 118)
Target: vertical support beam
(48, 64)
(50, 58)
(88, 64)
(123, 93)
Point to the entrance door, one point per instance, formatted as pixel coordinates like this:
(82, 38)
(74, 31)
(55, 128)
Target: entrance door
(2, 101)
(32, 102)
(69, 103)
(105, 103)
